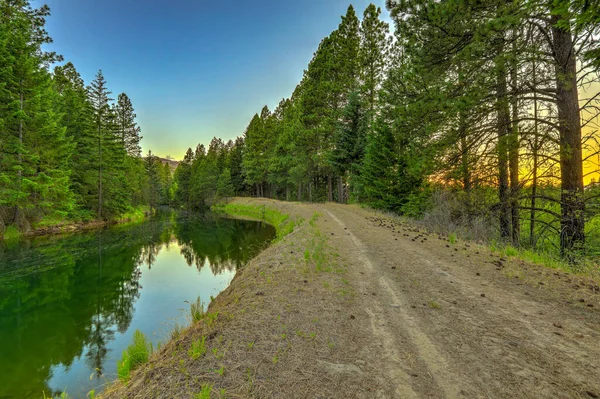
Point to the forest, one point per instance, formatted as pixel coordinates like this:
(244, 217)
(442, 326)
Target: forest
(68, 151)
(472, 116)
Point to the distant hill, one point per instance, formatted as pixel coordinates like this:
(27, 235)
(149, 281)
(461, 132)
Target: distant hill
(172, 163)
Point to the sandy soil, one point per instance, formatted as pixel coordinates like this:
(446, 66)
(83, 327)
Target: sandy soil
(358, 305)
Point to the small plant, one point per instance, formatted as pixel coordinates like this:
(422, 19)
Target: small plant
(250, 345)
(134, 356)
(510, 251)
(205, 392)
(198, 349)
(210, 318)
(275, 359)
(196, 310)
(220, 370)
(433, 304)
(176, 331)
(11, 233)
(222, 393)
(452, 238)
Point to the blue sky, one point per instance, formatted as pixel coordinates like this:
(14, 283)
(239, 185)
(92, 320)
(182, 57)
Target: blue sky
(194, 69)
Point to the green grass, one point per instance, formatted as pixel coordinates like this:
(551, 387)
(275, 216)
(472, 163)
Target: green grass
(433, 304)
(283, 224)
(135, 215)
(11, 233)
(452, 238)
(197, 310)
(134, 356)
(205, 392)
(63, 395)
(198, 348)
(550, 260)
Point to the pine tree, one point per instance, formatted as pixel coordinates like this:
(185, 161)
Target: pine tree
(183, 175)
(128, 127)
(73, 105)
(99, 100)
(350, 139)
(34, 151)
(379, 174)
(374, 47)
(224, 185)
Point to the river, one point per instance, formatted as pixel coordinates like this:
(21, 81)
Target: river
(69, 305)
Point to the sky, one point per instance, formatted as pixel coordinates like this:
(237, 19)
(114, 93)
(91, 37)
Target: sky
(194, 69)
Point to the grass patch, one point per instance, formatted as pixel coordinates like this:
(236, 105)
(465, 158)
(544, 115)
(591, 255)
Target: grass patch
(283, 224)
(197, 310)
(205, 392)
(11, 233)
(134, 356)
(582, 265)
(63, 395)
(433, 305)
(198, 348)
(135, 215)
(452, 238)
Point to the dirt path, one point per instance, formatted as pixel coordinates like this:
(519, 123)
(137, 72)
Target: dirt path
(352, 304)
(453, 323)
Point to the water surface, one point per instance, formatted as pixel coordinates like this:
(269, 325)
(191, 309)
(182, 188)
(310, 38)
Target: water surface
(69, 305)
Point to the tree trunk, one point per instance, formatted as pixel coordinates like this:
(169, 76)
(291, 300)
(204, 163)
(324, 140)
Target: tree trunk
(299, 192)
(309, 192)
(535, 150)
(513, 155)
(99, 172)
(572, 224)
(503, 132)
(329, 188)
(287, 193)
(341, 198)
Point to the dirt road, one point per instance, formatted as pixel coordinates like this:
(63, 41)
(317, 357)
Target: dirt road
(450, 321)
(356, 305)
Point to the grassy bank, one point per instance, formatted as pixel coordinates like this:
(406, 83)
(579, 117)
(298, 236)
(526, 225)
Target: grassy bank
(53, 224)
(282, 222)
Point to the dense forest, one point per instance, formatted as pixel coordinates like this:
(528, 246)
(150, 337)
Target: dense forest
(473, 115)
(68, 152)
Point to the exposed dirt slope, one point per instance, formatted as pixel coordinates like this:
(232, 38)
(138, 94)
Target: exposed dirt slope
(355, 305)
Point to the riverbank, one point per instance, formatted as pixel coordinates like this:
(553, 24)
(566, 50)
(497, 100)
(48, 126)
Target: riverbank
(66, 227)
(354, 304)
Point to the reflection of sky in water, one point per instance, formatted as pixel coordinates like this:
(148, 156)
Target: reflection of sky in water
(166, 286)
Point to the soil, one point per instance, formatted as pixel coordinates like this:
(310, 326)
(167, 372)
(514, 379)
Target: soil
(355, 304)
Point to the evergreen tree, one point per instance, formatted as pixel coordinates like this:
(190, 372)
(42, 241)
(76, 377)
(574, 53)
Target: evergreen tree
(379, 173)
(34, 150)
(350, 139)
(128, 127)
(183, 175)
(225, 186)
(374, 47)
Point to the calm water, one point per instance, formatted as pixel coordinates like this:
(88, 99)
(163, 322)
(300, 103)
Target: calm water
(69, 306)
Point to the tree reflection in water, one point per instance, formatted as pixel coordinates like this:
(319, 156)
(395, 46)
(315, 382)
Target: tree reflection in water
(64, 298)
